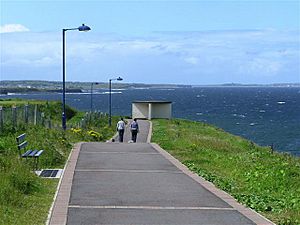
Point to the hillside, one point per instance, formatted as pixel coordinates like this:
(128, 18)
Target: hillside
(265, 181)
(24, 197)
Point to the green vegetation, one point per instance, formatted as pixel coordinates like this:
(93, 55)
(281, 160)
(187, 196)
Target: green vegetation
(16, 101)
(24, 86)
(51, 109)
(24, 197)
(264, 181)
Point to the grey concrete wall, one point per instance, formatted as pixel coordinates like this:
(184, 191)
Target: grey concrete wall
(151, 110)
(162, 111)
(140, 110)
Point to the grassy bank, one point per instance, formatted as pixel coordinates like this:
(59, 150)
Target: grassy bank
(17, 102)
(24, 197)
(266, 182)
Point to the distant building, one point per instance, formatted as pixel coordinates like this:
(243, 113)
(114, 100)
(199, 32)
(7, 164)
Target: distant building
(151, 109)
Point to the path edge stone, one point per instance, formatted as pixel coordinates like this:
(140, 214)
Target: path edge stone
(247, 212)
(59, 209)
(149, 132)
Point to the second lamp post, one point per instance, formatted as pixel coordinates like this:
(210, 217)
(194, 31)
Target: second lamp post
(118, 79)
(64, 116)
(92, 95)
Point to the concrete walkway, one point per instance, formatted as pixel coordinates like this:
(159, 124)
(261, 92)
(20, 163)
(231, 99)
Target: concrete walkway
(140, 183)
(143, 135)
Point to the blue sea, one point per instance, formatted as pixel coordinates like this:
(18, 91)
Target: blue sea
(265, 115)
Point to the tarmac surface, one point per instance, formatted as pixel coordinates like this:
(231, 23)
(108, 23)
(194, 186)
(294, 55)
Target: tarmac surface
(139, 183)
(142, 136)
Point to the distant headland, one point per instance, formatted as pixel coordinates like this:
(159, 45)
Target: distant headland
(33, 86)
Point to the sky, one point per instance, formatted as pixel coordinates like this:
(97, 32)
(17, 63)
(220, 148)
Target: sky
(176, 42)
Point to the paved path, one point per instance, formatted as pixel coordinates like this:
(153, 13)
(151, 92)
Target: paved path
(139, 183)
(142, 136)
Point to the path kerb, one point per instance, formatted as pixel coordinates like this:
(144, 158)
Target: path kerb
(249, 213)
(59, 210)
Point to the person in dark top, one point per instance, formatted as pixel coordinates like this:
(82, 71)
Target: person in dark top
(134, 127)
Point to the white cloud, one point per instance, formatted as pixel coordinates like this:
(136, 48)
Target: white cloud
(10, 28)
(192, 60)
(200, 57)
(266, 67)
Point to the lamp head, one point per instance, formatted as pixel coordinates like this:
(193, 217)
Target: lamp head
(84, 28)
(119, 78)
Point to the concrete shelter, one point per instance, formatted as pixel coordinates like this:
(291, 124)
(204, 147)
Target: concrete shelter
(151, 109)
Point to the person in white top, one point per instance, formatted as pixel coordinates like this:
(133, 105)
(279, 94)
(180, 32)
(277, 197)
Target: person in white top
(121, 129)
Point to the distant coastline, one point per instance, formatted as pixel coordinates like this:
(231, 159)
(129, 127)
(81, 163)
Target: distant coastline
(8, 91)
(36, 86)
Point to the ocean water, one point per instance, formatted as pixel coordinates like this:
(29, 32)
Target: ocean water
(265, 115)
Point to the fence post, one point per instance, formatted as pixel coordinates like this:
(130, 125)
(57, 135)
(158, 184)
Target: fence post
(26, 114)
(49, 123)
(14, 116)
(35, 115)
(1, 118)
(43, 119)
(272, 148)
(83, 123)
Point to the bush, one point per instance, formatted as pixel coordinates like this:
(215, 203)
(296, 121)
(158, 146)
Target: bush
(24, 182)
(17, 180)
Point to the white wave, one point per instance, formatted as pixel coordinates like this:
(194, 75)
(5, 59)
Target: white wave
(113, 92)
(78, 93)
(281, 103)
(165, 89)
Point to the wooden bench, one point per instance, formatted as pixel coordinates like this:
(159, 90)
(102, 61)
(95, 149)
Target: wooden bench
(24, 153)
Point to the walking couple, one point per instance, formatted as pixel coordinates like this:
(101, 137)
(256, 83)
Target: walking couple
(134, 128)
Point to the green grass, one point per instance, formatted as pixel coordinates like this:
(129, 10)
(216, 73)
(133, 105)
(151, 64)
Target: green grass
(24, 197)
(268, 183)
(17, 102)
(31, 208)
(51, 109)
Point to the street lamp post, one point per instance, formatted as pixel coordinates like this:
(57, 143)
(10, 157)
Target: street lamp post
(81, 28)
(92, 94)
(118, 79)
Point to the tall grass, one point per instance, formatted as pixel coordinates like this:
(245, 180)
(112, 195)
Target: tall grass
(24, 197)
(264, 181)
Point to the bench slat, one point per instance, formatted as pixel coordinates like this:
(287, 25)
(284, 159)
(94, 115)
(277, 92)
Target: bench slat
(32, 154)
(38, 153)
(22, 145)
(26, 153)
(21, 138)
